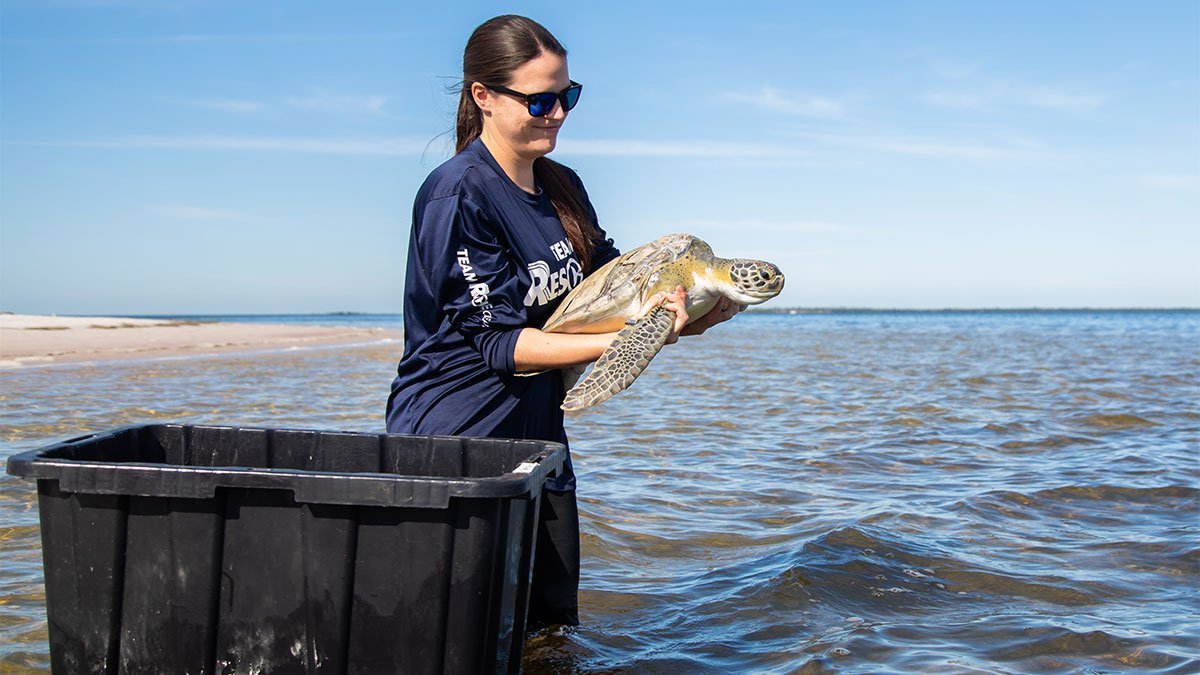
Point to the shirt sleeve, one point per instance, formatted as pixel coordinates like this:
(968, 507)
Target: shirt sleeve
(605, 250)
(475, 282)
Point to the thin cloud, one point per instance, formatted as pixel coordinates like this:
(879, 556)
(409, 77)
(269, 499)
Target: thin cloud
(387, 145)
(1059, 98)
(408, 146)
(1170, 181)
(202, 38)
(954, 70)
(733, 233)
(966, 88)
(355, 146)
(776, 100)
(754, 225)
(953, 99)
(649, 148)
(319, 100)
(328, 101)
(929, 147)
(1003, 95)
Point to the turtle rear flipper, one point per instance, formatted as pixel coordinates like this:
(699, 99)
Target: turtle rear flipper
(624, 360)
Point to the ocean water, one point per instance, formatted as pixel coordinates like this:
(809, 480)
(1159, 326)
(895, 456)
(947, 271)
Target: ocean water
(851, 492)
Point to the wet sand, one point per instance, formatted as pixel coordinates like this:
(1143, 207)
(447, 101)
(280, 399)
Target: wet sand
(33, 340)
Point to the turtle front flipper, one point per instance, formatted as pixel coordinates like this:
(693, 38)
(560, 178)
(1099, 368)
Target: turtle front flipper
(624, 360)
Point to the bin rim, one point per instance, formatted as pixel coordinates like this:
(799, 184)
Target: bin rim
(155, 479)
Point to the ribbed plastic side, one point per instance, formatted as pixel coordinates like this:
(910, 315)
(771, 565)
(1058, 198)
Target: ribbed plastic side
(253, 580)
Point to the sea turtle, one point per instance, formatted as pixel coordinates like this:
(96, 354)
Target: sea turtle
(609, 298)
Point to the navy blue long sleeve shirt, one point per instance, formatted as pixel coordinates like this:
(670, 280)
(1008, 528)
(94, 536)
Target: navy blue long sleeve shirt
(485, 259)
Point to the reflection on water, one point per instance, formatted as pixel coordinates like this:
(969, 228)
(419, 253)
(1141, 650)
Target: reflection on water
(864, 492)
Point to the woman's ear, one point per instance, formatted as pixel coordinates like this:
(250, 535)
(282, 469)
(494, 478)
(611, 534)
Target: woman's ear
(482, 97)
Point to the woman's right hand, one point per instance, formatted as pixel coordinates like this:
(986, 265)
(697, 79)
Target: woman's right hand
(676, 302)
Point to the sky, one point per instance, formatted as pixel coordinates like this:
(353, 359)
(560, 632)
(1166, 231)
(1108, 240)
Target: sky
(197, 157)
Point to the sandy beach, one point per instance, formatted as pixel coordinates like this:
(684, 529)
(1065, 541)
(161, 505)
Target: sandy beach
(30, 340)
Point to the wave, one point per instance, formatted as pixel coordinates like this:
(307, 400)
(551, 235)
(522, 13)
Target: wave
(1047, 443)
(1055, 647)
(870, 572)
(1168, 496)
(1117, 421)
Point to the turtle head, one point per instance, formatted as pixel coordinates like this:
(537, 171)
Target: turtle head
(754, 281)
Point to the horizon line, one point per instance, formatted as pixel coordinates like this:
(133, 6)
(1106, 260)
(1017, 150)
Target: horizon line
(756, 310)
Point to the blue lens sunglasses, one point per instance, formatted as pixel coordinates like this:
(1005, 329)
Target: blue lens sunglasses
(542, 103)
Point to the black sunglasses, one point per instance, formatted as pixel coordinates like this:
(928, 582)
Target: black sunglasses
(542, 103)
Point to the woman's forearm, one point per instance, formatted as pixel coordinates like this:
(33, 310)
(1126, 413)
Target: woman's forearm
(536, 350)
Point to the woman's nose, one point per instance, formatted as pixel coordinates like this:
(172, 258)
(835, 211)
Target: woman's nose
(557, 112)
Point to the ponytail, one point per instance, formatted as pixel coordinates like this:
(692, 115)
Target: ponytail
(469, 121)
(558, 184)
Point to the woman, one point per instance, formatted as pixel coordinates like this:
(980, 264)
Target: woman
(500, 234)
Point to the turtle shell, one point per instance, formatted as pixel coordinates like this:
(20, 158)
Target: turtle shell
(613, 293)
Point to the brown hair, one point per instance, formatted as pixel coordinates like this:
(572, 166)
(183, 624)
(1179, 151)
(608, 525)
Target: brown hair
(497, 48)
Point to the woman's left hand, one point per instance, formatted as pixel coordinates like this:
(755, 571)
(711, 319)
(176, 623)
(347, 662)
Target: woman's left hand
(725, 310)
(676, 302)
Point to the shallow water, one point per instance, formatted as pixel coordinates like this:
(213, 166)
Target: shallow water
(876, 492)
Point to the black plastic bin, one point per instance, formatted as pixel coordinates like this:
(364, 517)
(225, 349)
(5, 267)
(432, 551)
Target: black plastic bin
(204, 549)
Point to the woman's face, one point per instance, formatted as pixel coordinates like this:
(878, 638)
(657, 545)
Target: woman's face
(506, 118)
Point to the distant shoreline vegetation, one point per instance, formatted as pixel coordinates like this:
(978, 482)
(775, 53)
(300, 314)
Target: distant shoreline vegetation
(960, 310)
(212, 317)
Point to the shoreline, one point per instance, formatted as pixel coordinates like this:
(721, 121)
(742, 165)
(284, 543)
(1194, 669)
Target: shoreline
(28, 340)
